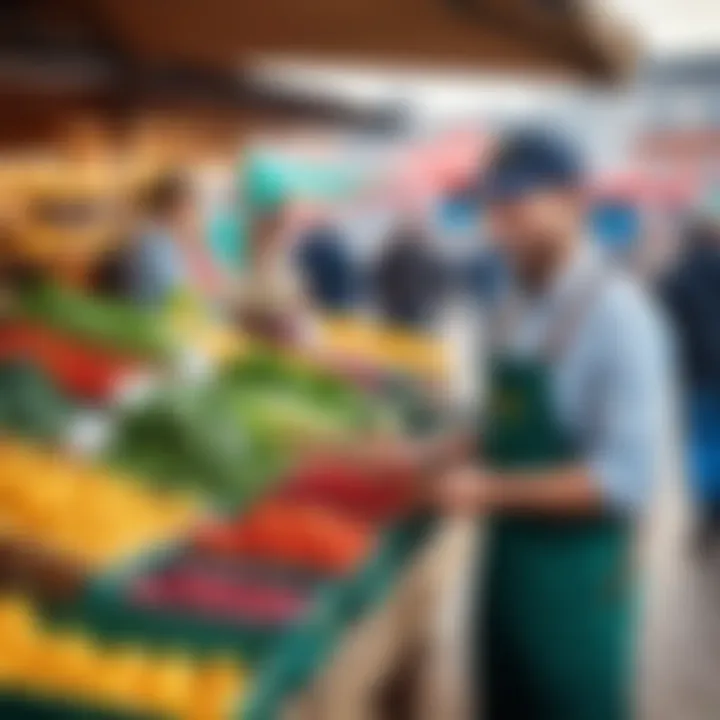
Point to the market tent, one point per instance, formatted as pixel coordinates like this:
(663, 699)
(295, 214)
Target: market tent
(125, 36)
(566, 35)
(121, 57)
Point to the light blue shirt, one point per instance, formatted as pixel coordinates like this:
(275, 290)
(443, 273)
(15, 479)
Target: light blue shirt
(613, 382)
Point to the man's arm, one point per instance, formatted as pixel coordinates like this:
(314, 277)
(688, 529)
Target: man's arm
(569, 490)
(403, 458)
(627, 434)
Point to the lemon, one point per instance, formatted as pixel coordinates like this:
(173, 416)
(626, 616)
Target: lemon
(168, 685)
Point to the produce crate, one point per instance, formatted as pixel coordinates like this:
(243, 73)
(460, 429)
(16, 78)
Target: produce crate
(17, 706)
(304, 651)
(283, 659)
(48, 691)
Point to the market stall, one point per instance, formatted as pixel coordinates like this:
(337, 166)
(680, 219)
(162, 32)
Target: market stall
(196, 544)
(169, 546)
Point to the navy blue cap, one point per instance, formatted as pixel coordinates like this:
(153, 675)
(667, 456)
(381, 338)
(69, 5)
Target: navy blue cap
(528, 161)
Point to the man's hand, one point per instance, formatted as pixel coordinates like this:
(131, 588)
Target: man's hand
(391, 455)
(417, 458)
(466, 490)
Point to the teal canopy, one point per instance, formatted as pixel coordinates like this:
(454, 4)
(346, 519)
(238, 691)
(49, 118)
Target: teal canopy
(270, 180)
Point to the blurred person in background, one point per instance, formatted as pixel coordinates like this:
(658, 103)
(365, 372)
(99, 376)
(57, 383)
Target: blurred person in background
(327, 268)
(409, 280)
(110, 275)
(168, 258)
(691, 291)
(482, 275)
(16, 272)
(568, 454)
(227, 233)
(270, 300)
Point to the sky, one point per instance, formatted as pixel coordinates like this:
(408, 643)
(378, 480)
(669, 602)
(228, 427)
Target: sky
(672, 26)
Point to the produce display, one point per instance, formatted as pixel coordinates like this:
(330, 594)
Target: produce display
(80, 370)
(81, 512)
(100, 322)
(335, 483)
(226, 593)
(71, 666)
(194, 329)
(31, 405)
(219, 520)
(236, 434)
(291, 534)
(385, 347)
(296, 401)
(38, 573)
(193, 438)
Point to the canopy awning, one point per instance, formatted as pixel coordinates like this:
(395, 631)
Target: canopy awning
(124, 55)
(565, 36)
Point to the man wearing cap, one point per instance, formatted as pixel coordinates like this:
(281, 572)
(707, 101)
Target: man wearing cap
(567, 454)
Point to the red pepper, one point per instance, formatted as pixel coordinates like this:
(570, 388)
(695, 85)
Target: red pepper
(80, 370)
(335, 483)
(298, 535)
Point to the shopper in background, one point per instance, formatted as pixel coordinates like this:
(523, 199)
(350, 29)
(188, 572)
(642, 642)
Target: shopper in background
(169, 257)
(409, 280)
(327, 268)
(691, 291)
(482, 276)
(270, 300)
(227, 233)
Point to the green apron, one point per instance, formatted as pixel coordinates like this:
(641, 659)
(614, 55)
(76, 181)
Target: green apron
(555, 601)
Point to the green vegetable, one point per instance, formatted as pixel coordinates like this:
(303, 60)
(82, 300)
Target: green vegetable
(233, 436)
(192, 438)
(110, 324)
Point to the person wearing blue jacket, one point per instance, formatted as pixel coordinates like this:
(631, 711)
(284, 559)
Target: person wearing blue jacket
(691, 291)
(327, 269)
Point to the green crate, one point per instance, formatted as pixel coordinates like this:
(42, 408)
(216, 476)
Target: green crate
(283, 660)
(21, 706)
(305, 649)
(105, 610)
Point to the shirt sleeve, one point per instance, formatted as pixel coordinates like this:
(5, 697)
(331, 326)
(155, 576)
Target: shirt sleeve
(630, 433)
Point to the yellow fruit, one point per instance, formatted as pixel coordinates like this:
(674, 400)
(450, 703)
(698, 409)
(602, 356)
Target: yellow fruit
(168, 685)
(88, 514)
(18, 625)
(78, 661)
(69, 665)
(119, 673)
(51, 672)
(217, 691)
(18, 631)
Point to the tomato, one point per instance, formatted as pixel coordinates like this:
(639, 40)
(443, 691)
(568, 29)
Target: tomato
(81, 370)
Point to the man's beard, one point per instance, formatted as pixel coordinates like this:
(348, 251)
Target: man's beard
(536, 269)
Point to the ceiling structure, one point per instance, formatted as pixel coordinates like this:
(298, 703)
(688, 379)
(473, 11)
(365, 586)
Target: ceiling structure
(121, 55)
(550, 35)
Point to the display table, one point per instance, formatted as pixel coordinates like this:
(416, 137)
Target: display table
(425, 613)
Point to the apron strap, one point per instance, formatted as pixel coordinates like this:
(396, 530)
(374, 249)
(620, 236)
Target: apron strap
(504, 321)
(563, 327)
(567, 322)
